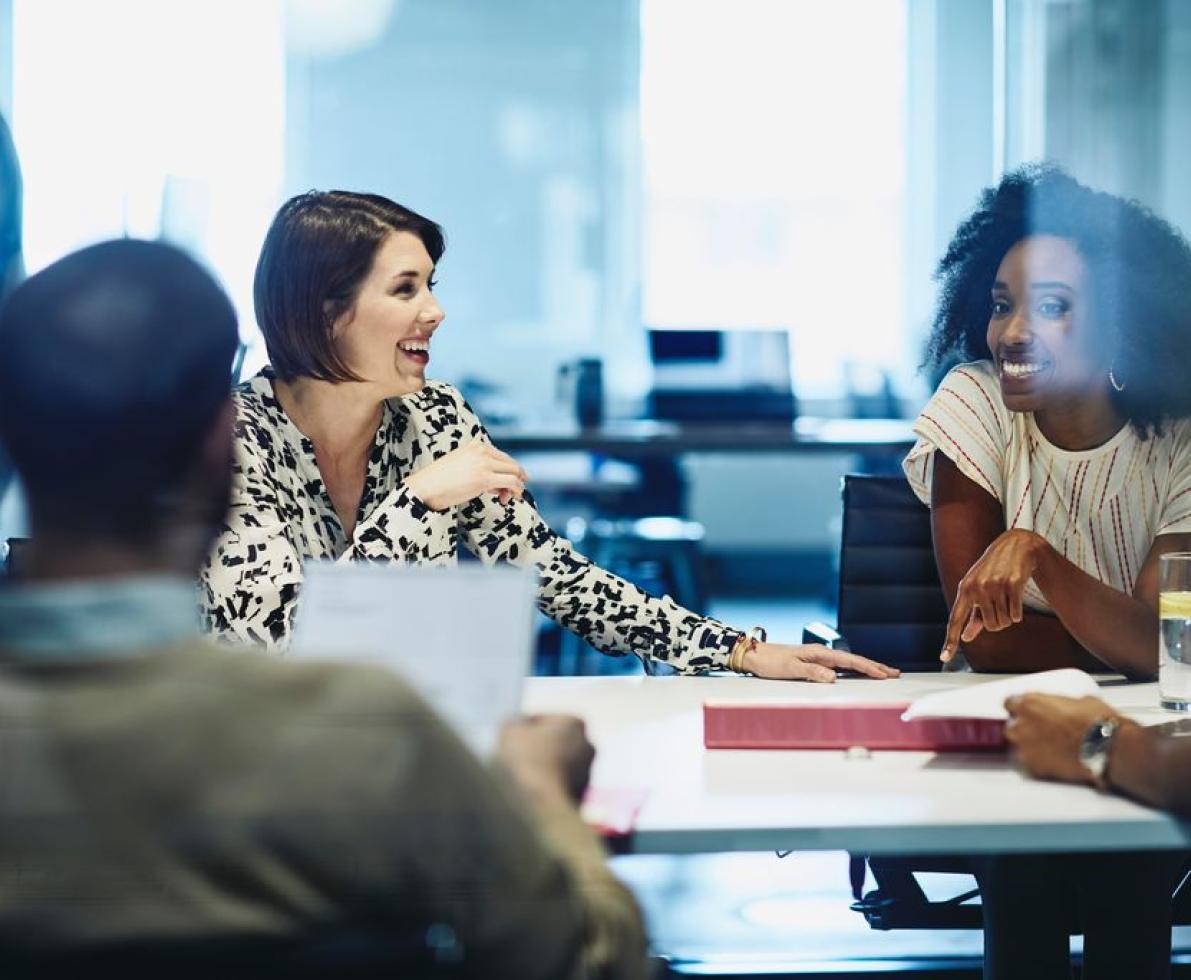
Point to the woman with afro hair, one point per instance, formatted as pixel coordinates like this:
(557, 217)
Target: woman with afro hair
(1056, 460)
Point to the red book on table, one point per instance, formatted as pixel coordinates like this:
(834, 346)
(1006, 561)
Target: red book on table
(806, 725)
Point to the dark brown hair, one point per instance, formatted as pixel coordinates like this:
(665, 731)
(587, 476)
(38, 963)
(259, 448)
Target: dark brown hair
(319, 249)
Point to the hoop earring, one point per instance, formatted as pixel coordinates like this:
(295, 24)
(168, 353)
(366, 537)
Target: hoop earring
(1116, 385)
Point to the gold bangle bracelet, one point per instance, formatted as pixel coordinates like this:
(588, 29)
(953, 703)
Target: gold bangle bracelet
(745, 643)
(737, 654)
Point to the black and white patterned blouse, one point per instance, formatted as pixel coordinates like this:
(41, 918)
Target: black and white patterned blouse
(281, 514)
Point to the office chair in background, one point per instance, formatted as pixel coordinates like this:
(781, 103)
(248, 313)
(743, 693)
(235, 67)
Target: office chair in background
(891, 607)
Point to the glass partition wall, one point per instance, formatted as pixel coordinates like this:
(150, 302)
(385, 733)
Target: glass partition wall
(601, 168)
(1103, 87)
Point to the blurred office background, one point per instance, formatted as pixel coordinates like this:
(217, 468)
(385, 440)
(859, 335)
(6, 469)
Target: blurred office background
(604, 168)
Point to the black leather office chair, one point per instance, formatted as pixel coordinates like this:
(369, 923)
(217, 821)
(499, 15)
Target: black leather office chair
(13, 557)
(890, 599)
(891, 607)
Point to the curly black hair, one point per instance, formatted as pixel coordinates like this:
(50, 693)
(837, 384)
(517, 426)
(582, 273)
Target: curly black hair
(1139, 271)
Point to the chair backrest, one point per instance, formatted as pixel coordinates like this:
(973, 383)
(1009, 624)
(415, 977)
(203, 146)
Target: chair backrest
(891, 604)
(14, 556)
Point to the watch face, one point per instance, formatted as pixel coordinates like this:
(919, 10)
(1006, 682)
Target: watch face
(1093, 750)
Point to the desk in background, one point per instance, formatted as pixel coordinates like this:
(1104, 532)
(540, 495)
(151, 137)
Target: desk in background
(757, 539)
(648, 733)
(640, 439)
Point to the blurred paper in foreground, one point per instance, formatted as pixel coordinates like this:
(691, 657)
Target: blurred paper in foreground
(462, 637)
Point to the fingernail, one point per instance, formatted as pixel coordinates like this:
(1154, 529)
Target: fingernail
(945, 655)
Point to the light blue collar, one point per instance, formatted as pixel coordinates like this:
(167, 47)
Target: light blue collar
(98, 618)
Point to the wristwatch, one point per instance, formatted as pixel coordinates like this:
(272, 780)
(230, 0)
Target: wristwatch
(1096, 744)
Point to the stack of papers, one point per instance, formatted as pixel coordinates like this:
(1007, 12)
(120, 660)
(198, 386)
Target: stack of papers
(988, 700)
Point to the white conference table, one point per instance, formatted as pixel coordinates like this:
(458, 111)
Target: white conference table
(648, 733)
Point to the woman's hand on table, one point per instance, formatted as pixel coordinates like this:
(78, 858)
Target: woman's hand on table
(810, 662)
(465, 473)
(990, 594)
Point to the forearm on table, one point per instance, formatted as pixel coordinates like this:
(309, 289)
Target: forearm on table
(619, 622)
(614, 615)
(1038, 642)
(610, 613)
(1151, 767)
(1114, 627)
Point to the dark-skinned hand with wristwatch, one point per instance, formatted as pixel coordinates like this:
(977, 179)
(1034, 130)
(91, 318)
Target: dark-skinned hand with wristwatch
(1084, 740)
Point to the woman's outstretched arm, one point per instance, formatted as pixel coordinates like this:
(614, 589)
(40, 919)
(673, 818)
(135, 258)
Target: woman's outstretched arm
(614, 615)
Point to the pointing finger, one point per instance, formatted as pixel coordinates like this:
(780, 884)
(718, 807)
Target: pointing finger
(955, 623)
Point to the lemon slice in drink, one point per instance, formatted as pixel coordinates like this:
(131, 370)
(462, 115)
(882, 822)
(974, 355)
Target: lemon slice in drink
(1174, 605)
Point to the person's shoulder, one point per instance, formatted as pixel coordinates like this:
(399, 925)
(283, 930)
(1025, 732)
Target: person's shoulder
(972, 376)
(433, 395)
(967, 421)
(1176, 440)
(970, 390)
(259, 416)
(277, 687)
(252, 396)
(340, 736)
(443, 408)
(1179, 432)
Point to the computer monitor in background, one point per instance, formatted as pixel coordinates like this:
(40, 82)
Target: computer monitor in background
(721, 375)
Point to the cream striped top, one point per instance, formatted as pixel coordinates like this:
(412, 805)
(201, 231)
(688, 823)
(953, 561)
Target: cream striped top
(1101, 508)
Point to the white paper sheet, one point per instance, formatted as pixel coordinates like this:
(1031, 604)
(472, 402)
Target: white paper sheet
(461, 636)
(988, 700)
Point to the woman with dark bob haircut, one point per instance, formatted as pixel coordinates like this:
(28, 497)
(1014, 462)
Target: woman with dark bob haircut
(344, 450)
(1057, 465)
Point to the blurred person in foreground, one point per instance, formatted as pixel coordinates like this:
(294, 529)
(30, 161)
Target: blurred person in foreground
(154, 788)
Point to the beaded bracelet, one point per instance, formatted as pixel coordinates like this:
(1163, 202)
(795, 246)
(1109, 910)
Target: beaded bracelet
(745, 644)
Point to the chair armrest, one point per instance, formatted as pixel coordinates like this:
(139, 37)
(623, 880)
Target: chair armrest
(820, 632)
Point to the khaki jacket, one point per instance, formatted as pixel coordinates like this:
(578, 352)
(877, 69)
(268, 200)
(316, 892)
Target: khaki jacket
(195, 792)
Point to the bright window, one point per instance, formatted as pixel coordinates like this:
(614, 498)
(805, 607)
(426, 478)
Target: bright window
(774, 136)
(142, 118)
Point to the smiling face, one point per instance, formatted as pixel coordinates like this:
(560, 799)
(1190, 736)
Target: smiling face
(1041, 330)
(385, 337)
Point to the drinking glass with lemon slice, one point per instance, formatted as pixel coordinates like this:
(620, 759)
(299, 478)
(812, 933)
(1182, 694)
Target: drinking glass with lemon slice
(1174, 633)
